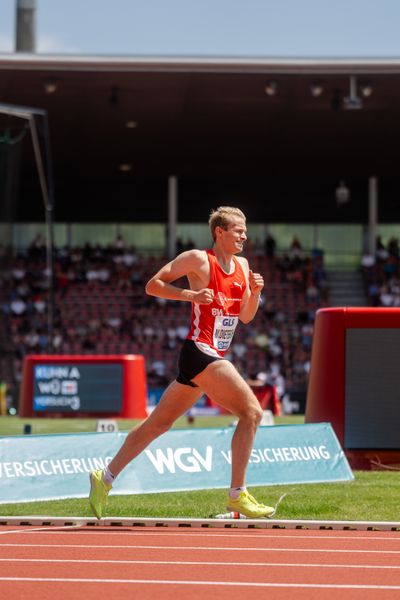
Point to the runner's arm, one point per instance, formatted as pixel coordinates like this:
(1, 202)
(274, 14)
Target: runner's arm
(189, 262)
(251, 298)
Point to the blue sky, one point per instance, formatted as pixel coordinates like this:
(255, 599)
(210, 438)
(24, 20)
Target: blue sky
(259, 28)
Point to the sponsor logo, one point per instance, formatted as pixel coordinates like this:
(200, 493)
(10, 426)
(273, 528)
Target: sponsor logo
(286, 454)
(69, 387)
(223, 345)
(188, 460)
(228, 322)
(222, 299)
(44, 402)
(52, 466)
(56, 372)
(55, 387)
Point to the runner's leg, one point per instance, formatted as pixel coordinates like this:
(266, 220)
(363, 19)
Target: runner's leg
(175, 401)
(222, 382)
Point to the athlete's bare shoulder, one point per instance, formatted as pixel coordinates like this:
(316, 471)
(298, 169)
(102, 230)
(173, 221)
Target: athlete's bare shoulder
(190, 262)
(192, 258)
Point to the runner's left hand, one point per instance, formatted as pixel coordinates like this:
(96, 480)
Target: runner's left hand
(256, 282)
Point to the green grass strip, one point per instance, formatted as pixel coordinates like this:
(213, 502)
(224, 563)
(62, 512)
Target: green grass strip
(372, 496)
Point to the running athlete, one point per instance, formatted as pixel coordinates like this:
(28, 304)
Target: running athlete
(222, 290)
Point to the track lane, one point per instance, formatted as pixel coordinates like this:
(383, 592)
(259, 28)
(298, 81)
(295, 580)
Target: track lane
(210, 554)
(219, 563)
(206, 572)
(182, 590)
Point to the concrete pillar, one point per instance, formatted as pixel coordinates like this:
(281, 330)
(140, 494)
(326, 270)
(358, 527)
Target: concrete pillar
(25, 31)
(172, 215)
(372, 214)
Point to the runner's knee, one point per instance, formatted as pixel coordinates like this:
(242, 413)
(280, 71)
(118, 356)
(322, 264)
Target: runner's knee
(153, 427)
(251, 412)
(161, 426)
(257, 415)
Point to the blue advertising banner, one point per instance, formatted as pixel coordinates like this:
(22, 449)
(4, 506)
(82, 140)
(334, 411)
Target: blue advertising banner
(49, 467)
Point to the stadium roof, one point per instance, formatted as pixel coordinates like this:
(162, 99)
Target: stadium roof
(201, 64)
(257, 130)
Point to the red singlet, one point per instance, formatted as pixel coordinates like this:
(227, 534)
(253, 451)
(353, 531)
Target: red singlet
(213, 325)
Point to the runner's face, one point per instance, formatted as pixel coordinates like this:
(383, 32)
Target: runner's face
(234, 236)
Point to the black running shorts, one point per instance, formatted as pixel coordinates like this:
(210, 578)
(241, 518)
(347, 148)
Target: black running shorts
(192, 361)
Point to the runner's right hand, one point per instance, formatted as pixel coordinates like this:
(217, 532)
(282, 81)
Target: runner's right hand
(205, 296)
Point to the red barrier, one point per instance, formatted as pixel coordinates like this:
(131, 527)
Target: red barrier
(266, 395)
(339, 370)
(127, 385)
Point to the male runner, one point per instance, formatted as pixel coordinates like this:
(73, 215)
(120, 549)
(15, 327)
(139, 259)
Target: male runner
(222, 290)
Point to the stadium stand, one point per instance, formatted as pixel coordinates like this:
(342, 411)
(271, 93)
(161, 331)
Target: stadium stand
(101, 308)
(381, 274)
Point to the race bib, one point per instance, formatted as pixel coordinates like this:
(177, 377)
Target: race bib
(224, 328)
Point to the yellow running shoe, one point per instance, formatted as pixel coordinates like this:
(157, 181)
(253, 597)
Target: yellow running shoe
(256, 501)
(98, 492)
(246, 505)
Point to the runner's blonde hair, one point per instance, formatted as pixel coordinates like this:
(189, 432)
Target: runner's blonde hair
(222, 216)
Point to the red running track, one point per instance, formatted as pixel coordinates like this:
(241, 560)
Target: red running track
(174, 563)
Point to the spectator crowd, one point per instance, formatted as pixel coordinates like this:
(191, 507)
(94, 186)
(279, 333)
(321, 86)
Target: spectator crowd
(100, 307)
(381, 274)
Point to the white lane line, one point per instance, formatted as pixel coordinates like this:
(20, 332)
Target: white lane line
(40, 529)
(206, 548)
(195, 563)
(203, 583)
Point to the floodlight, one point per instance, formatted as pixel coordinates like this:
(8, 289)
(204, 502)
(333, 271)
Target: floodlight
(342, 193)
(316, 88)
(50, 86)
(270, 88)
(366, 89)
